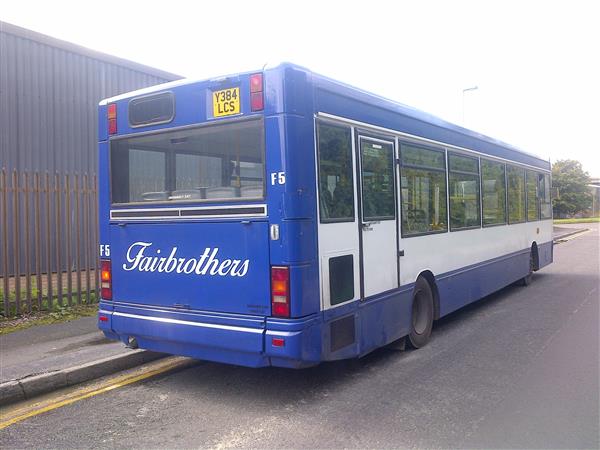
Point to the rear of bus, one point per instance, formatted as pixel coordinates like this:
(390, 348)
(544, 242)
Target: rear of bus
(201, 246)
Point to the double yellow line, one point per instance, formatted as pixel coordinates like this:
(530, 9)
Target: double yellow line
(12, 415)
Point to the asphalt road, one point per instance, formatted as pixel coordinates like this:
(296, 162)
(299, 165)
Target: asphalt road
(519, 369)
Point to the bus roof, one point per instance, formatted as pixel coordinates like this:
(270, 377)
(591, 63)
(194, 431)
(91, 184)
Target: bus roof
(369, 98)
(362, 96)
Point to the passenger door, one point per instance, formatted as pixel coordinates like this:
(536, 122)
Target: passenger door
(378, 215)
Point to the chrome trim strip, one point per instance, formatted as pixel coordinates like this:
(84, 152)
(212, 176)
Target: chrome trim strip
(197, 313)
(193, 324)
(179, 216)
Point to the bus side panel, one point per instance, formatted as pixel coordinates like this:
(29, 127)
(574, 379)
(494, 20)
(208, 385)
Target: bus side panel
(385, 319)
(287, 90)
(545, 254)
(300, 185)
(103, 184)
(291, 193)
(299, 230)
(302, 342)
(103, 214)
(359, 327)
(463, 286)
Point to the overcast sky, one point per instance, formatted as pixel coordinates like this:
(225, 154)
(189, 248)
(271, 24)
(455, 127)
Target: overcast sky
(536, 64)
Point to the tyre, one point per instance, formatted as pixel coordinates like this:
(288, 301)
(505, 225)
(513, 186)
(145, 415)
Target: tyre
(422, 314)
(526, 280)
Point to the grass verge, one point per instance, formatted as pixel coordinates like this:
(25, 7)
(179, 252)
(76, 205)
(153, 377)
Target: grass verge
(56, 315)
(583, 220)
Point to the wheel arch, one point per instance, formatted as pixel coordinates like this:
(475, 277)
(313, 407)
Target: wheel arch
(536, 256)
(430, 278)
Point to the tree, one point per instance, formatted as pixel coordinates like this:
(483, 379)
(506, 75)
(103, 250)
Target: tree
(571, 182)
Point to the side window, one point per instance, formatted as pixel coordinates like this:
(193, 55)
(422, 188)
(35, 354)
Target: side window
(336, 182)
(545, 197)
(423, 190)
(463, 188)
(516, 194)
(493, 185)
(533, 210)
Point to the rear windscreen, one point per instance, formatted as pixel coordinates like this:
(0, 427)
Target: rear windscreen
(151, 109)
(209, 163)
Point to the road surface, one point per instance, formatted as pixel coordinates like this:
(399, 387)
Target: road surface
(518, 369)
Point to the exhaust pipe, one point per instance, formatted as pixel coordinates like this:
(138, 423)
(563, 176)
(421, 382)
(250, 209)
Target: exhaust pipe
(132, 342)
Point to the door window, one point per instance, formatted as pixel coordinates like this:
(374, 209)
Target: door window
(377, 172)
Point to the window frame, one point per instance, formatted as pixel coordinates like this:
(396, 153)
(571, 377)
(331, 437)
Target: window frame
(537, 196)
(169, 94)
(391, 141)
(549, 178)
(463, 172)
(444, 171)
(524, 171)
(168, 164)
(318, 123)
(504, 165)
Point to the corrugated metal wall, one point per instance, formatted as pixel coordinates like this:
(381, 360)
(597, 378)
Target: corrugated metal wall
(49, 94)
(49, 98)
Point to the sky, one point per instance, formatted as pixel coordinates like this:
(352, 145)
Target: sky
(536, 64)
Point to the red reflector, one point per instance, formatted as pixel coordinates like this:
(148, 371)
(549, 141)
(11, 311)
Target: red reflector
(256, 82)
(103, 319)
(106, 277)
(256, 101)
(278, 342)
(281, 310)
(280, 291)
(112, 118)
(112, 126)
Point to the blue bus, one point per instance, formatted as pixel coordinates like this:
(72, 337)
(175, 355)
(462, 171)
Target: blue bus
(282, 218)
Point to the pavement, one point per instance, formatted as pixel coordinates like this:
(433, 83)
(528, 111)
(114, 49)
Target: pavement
(44, 358)
(561, 231)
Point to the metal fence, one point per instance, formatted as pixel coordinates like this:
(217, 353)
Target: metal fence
(49, 236)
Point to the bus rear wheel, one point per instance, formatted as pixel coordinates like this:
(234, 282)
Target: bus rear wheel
(526, 280)
(422, 314)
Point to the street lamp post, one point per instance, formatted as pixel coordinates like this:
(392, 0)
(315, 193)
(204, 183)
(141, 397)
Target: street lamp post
(472, 88)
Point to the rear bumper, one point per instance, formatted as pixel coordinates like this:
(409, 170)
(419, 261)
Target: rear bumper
(229, 338)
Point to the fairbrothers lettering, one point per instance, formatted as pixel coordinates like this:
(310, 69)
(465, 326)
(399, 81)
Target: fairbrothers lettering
(141, 257)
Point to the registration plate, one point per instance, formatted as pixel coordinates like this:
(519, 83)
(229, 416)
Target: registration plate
(226, 102)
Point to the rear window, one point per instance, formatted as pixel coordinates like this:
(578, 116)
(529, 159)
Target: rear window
(222, 162)
(152, 109)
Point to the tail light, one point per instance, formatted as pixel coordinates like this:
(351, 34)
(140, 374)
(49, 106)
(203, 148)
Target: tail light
(105, 279)
(280, 291)
(112, 118)
(256, 92)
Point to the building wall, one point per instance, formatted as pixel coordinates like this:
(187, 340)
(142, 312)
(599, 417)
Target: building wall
(49, 94)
